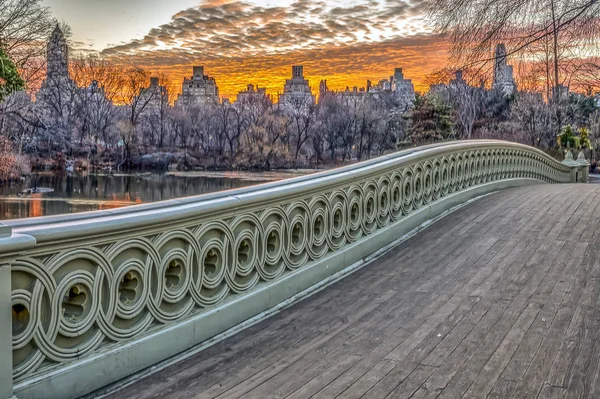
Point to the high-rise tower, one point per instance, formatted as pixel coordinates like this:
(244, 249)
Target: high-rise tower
(297, 91)
(57, 56)
(504, 81)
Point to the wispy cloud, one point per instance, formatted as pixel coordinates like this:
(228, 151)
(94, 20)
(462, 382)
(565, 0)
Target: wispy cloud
(241, 42)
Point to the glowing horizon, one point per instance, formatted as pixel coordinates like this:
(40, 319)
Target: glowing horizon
(257, 41)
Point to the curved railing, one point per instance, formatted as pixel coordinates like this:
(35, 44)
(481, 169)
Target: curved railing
(97, 296)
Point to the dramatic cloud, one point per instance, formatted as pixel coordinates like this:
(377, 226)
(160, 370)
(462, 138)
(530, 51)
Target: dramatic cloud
(240, 42)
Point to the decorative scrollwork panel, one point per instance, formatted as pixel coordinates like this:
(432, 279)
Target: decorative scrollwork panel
(69, 302)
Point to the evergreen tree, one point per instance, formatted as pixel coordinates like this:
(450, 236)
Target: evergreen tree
(430, 121)
(10, 80)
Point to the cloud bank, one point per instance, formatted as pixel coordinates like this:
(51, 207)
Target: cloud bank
(239, 42)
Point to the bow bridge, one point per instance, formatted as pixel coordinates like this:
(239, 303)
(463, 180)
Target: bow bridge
(450, 270)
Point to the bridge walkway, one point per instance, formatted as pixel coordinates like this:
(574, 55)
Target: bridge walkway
(500, 299)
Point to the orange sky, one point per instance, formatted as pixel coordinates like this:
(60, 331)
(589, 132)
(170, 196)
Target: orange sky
(341, 67)
(242, 42)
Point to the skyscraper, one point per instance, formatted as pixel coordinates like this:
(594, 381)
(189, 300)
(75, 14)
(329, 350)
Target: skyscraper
(403, 89)
(297, 91)
(504, 81)
(57, 53)
(198, 89)
(57, 95)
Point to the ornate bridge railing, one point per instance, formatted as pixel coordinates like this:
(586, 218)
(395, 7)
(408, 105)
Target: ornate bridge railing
(94, 297)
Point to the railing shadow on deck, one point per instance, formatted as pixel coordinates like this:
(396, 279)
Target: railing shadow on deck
(88, 299)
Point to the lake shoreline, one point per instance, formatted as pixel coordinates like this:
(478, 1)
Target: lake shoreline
(49, 193)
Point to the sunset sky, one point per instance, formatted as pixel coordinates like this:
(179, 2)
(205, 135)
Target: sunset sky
(257, 41)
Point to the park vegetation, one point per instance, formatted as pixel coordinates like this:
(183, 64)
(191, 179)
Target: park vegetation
(109, 119)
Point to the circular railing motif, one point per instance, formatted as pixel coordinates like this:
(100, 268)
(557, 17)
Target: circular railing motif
(67, 304)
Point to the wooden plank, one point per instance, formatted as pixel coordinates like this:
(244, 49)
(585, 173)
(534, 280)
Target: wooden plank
(455, 360)
(531, 382)
(406, 307)
(529, 345)
(279, 360)
(487, 377)
(581, 375)
(317, 383)
(474, 252)
(503, 389)
(567, 353)
(406, 387)
(356, 380)
(552, 392)
(468, 372)
(410, 364)
(367, 380)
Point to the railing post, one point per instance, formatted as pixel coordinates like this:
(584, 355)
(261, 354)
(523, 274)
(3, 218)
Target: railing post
(584, 167)
(574, 166)
(11, 246)
(6, 364)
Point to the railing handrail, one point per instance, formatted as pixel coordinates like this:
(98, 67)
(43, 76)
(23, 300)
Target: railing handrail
(55, 228)
(157, 205)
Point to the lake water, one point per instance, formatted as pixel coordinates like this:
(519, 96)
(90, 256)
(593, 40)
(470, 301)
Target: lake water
(63, 193)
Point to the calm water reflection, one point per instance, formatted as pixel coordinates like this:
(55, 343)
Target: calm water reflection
(81, 193)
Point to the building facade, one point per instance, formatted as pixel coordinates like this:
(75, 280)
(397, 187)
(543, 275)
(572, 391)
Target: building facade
(297, 91)
(253, 94)
(57, 53)
(58, 93)
(403, 89)
(154, 97)
(399, 87)
(504, 81)
(198, 89)
(57, 66)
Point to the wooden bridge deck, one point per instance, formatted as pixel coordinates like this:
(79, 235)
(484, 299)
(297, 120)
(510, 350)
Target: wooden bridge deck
(499, 299)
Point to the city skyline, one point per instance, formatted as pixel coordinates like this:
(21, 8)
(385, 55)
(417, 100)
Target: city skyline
(257, 42)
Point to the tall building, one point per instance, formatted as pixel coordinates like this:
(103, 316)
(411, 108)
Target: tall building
(198, 89)
(504, 81)
(403, 89)
(325, 92)
(57, 65)
(383, 85)
(253, 94)
(57, 53)
(154, 97)
(57, 95)
(297, 90)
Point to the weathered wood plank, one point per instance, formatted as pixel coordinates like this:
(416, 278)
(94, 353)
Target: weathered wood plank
(485, 381)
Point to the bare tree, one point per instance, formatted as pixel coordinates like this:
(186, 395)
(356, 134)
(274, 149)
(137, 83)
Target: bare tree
(157, 115)
(24, 27)
(134, 93)
(302, 118)
(334, 124)
(57, 105)
(137, 96)
(586, 76)
(467, 102)
(231, 124)
(200, 125)
(19, 120)
(474, 27)
(533, 116)
(100, 83)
